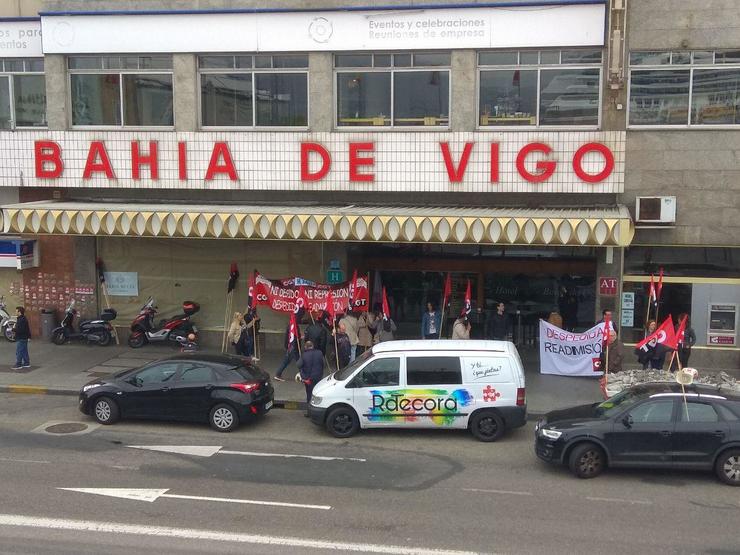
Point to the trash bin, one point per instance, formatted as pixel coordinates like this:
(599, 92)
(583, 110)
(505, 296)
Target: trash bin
(48, 323)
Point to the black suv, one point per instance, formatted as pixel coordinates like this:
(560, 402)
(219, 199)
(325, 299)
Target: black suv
(651, 425)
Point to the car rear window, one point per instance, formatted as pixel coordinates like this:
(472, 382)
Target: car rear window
(248, 372)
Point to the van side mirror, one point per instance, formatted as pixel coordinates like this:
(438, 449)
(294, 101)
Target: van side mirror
(627, 420)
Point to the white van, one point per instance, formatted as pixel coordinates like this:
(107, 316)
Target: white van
(478, 385)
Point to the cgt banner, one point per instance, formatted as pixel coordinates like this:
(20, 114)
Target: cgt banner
(282, 295)
(570, 353)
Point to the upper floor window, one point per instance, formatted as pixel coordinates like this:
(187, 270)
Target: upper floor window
(121, 91)
(22, 93)
(410, 89)
(254, 90)
(539, 88)
(684, 88)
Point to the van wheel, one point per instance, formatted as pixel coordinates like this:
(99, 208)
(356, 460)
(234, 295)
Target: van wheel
(486, 425)
(587, 460)
(342, 422)
(728, 467)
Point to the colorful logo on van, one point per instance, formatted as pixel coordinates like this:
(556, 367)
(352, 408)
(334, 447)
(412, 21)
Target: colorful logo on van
(410, 404)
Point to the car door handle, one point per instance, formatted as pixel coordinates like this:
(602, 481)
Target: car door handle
(718, 433)
(209, 386)
(165, 389)
(665, 433)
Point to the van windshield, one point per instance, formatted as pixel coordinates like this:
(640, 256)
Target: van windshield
(346, 372)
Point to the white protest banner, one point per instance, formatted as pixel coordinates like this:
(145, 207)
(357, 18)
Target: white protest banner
(566, 353)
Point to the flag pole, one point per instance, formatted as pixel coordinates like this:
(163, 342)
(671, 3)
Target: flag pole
(606, 365)
(441, 321)
(336, 347)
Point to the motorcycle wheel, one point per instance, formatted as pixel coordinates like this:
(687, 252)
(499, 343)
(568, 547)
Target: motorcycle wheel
(58, 338)
(9, 332)
(104, 338)
(136, 340)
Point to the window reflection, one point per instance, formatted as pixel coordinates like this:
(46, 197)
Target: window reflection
(716, 96)
(569, 97)
(659, 97)
(147, 100)
(421, 98)
(281, 99)
(226, 99)
(30, 100)
(364, 99)
(96, 99)
(5, 119)
(508, 97)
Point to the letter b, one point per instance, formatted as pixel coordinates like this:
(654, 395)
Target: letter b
(48, 153)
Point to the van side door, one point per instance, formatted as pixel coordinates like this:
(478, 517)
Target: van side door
(374, 390)
(491, 380)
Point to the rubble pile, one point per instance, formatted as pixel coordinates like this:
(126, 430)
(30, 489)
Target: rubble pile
(627, 378)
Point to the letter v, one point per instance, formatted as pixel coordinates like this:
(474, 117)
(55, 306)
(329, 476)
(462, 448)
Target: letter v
(456, 174)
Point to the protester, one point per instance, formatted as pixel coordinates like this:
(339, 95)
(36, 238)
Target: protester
(365, 331)
(344, 346)
(651, 356)
(351, 326)
(500, 326)
(235, 332)
(311, 366)
(555, 319)
(247, 335)
(461, 328)
(616, 354)
(430, 322)
(684, 348)
(477, 322)
(291, 352)
(383, 329)
(22, 335)
(604, 314)
(316, 332)
(568, 308)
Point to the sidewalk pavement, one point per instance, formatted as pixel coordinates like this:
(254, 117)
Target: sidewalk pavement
(63, 370)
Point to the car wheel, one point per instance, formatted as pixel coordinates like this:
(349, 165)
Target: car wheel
(9, 332)
(587, 460)
(104, 338)
(223, 418)
(342, 422)
(136, 340)
(486, 425)
(58, 337)
(728, 467)
(105, 410)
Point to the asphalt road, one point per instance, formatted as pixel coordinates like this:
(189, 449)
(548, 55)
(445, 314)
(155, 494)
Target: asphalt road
(380, 492)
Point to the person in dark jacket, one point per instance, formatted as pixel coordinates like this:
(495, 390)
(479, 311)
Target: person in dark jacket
(684, 348)
(499, 325)
(22, 335)
(316, 333)
(291, 350)
(344, 348)
(311, 366)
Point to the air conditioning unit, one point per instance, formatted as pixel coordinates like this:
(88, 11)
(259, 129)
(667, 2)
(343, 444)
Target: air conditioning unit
(655, 210)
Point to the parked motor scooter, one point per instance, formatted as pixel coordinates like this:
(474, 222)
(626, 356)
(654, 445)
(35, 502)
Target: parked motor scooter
(7, 322)
(174, 329)
(93, 331)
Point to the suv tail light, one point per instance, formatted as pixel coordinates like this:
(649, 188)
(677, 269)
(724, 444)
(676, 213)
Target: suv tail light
(246, 387)
(520, 396)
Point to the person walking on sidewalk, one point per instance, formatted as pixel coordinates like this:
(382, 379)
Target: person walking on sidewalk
(291, 352)
(22, 335)
(430, 322)
(351, 326)
(311, 366)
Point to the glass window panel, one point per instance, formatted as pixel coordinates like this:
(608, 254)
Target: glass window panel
(381, 372)
(155, 62)
(263, 61)
(569, 97)
(704, 57)
(244, 62)
(364, 99)
(529, 58)
(147, 100)
(226, 99)
(500, 58)
(216, 62)
(129, 62)
(5, 120)
(716, 96)
(96, 99)
(659, 97)
(580, 56)
(402, 60)
(13, 65)
(550, 57)
(353, 60)
(650, 58)
(679, 58)
(508, 97)
(300, 60)
(421, 98)
(727, 57)
(697, 413)
(111, 62)
(653, 412)
(30, 100)
(35, 64)
(436, 59)
(382, 60)
(281, 99)
(433, 370)
(84, 62)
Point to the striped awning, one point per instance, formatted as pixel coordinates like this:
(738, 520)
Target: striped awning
(610, 226)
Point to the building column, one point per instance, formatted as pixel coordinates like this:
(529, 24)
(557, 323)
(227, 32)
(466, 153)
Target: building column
(185, 92)
(55, 71)
(464, 109)
(320, 92)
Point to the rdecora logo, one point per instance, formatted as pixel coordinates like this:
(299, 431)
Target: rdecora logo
(399, 402)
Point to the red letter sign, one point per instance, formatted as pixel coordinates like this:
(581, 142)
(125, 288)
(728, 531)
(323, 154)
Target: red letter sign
(456, 175)
(355, 161)
(97, 149)
(182, 161)
(306, 173)
(608, 162)
(137, 160)
(545, 167)
(48, 152)
(221, 150)
(494, 162)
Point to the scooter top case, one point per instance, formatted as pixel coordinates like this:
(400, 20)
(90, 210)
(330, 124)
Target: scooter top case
(190, 308)
(108, 314)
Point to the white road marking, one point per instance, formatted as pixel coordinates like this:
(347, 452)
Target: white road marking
(617, 500)
(502, 491)
(210, 450)
(151, 495)
(210, 535)
(24, 461)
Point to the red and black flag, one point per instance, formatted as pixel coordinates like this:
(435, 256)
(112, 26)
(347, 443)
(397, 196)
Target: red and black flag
(101, 270)
(447, 293)
(467, 307)
(386, 308)
(233, 277)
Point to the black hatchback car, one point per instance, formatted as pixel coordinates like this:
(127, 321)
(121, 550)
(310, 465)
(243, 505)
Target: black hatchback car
(650, 426)
(223, 390)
